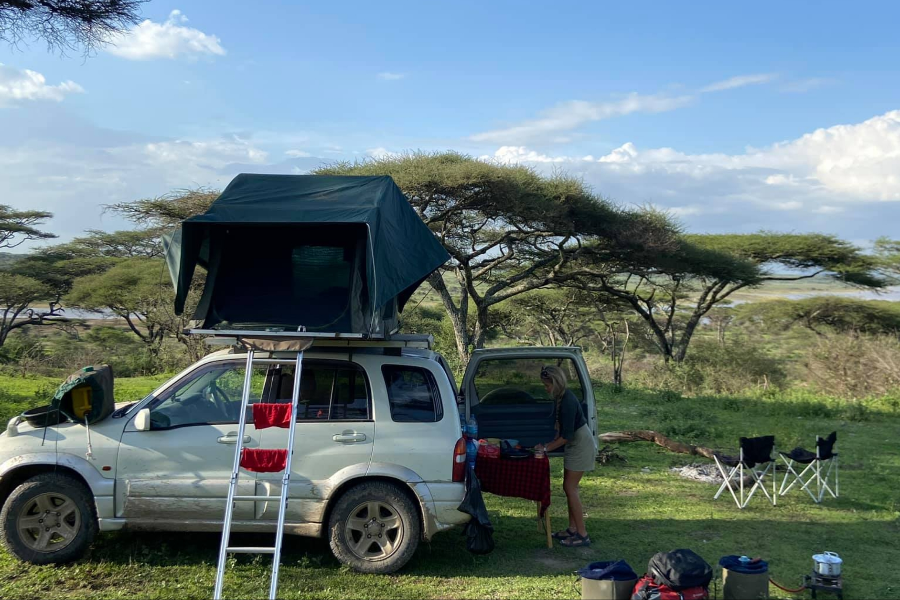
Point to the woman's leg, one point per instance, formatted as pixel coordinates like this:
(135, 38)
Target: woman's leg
(571, 479)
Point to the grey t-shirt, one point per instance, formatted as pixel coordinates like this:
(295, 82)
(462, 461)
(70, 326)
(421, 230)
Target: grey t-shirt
(571, 416)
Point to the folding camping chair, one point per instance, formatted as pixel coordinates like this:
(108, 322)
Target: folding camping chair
(813, 470)
(754, 452)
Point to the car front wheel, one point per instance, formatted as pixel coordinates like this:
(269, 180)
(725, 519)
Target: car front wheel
(48, 519)
(374, 528)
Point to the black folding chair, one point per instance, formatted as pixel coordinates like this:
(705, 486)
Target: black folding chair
(813, 470)
(754, 452)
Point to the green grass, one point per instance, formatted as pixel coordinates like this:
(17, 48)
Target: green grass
(21, 393)
(631, 514)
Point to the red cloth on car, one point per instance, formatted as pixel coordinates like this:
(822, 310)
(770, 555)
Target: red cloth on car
(527, 478)
(271, 415)
(261, 460)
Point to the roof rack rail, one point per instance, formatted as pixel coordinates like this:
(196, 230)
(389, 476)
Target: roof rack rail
(231, 337)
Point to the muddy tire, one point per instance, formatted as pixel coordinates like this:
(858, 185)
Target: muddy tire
(48, 519)
(374, 528)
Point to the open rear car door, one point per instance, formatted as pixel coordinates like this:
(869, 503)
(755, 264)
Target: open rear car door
(502, 388)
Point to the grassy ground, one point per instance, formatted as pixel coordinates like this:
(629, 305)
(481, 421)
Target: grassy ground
(634, 509)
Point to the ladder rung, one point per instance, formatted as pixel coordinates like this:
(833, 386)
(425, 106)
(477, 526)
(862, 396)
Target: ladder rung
(257, 498)
(250, 550)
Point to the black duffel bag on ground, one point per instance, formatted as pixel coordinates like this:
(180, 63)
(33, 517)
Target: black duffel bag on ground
(680, 570)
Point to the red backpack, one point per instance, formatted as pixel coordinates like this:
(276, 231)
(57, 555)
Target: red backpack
(647, 589)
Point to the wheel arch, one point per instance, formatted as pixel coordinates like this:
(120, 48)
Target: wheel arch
(16, 476)
(406, 487)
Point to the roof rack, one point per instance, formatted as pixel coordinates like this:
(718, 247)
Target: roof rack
(231, 337)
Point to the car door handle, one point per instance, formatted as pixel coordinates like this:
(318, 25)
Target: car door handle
(349, 437)
(231, 438)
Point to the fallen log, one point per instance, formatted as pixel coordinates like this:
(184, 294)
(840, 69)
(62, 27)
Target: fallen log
(644, 435)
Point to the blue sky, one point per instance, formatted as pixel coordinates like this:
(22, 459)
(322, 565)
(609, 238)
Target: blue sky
(779, 116)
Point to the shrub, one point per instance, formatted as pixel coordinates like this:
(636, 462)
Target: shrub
(711, 368)
(855, 366)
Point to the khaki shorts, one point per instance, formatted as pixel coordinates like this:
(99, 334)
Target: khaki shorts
(581, 451)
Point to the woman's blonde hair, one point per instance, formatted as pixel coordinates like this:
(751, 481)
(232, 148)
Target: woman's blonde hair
(558, 380)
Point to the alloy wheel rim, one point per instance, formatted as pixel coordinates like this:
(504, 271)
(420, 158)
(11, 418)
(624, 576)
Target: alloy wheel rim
(49, 522)
(374, 530)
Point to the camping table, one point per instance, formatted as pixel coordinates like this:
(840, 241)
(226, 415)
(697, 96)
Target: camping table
(527, 478)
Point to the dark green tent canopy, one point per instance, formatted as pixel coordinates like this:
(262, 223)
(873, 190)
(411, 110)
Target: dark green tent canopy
(328, 254)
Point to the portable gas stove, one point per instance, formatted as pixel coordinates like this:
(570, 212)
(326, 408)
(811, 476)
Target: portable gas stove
(832, 585)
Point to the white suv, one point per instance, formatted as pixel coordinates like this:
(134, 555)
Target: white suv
(378, 437)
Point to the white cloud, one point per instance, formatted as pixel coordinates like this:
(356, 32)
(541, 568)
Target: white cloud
(828, 210)
(171, 39)
(298, 154)
(380, 152)
(208, 153)
(739, 82)
(389, 76)
(781, 186)
(16, 85)
(804, 85)
(520, 154)
(553, 123)
(575, 113)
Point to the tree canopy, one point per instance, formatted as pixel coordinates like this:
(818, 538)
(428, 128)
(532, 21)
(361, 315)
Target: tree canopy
(135, 289)
(20, 226)
(66, 24)
(673, 291)
(507, 229)
(826, 313)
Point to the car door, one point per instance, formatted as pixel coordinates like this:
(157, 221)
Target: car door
(502, 388)
(335, 431)
(180, 469)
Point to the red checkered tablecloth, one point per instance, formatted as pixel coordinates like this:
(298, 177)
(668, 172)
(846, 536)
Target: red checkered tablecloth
(527, 478)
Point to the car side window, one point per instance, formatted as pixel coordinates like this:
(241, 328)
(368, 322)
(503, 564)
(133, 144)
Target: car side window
(329, 390)
(210, 395)
(413, 394)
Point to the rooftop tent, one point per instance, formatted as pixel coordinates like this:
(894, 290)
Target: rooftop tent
(304, 252)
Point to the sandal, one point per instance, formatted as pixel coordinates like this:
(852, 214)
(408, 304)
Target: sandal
(564, 534)
(576, 541)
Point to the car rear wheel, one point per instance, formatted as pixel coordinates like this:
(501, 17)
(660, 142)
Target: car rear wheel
(374, 528)
(48, 519)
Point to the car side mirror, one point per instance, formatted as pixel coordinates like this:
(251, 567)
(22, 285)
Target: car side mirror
(142, 420)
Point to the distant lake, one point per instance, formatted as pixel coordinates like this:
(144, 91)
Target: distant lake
(890, 293)
(75, 313)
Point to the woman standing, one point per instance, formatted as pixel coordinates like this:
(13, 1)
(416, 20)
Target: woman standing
(572, 431)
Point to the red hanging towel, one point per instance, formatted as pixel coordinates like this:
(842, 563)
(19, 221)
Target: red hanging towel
(271, 415)
(261, 460)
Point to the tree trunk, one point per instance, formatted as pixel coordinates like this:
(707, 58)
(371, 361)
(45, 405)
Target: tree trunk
(659, 439)
(458, 314)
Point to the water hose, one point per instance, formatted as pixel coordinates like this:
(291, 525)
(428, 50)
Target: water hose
(789, 591)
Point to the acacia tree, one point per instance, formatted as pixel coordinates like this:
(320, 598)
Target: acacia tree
(887, 255)
(822, 313)
(18, 290)
(548, 317)
(20, 226)
(673, 292)
(135, 290)
(507, 229)
(66, 24)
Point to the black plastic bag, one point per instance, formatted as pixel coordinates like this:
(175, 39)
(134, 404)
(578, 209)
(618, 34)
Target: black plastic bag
(479, 531)
(680, 569)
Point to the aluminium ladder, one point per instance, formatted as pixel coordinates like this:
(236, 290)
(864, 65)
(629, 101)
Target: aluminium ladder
(225, 549)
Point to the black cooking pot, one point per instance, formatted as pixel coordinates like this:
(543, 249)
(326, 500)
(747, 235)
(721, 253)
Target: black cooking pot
(44, 416)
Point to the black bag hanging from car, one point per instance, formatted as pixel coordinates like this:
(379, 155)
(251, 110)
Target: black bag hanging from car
(680, 569)
(479, 531)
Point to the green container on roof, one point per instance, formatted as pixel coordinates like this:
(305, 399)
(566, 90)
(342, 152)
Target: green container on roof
(312, 252)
